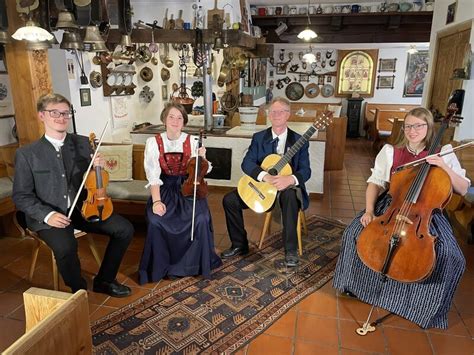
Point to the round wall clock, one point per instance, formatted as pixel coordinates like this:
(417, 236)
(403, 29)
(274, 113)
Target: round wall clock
(327, 90)
(311, 90)
(294, 91)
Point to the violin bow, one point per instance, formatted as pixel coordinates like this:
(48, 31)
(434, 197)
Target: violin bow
(420, 161)
(195, 193)
(88, 169)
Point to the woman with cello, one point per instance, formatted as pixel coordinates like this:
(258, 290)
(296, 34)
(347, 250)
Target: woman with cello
(427, 301)
(170, 250)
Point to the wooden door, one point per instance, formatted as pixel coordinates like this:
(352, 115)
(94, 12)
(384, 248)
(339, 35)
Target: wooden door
(451, 52)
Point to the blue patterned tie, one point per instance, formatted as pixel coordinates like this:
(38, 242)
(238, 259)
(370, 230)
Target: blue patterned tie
(275, 145)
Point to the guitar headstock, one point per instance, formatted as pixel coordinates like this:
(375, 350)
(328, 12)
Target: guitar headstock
(324, 120)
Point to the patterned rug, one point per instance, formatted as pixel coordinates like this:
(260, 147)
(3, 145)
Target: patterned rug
(245, 296)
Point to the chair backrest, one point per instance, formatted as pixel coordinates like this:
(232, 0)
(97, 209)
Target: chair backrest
(397, 131)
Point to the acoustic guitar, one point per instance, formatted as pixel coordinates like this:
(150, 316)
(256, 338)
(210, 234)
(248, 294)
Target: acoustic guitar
(260, 196)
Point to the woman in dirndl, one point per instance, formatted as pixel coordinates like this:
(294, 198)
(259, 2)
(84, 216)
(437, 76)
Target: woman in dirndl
(169, 250)
(425, 303)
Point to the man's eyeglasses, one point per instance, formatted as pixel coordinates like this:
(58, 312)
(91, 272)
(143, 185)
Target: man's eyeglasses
(57, 114)
(416, 126)
(279, 112)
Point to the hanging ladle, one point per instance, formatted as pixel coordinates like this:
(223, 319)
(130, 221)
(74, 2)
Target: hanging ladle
(153, 47)
(168, 61)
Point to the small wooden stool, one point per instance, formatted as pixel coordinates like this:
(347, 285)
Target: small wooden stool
(301, 224)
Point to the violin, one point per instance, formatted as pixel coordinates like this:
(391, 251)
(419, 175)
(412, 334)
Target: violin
(398, 244)
(97, 206)
(196, 169)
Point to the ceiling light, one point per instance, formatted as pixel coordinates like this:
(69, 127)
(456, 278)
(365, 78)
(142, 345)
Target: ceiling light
(31, 32)
(412, 49)
(307, 34)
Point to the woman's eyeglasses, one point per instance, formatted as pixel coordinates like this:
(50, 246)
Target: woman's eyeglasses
(57, 114)
(416, 126)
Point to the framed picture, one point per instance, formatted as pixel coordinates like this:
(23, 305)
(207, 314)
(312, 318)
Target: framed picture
(164, 92)
(356, 72)
(417, 67)
(6, 100)
(281, 68)
(387, 65)
(451, 12)
(385, 81)
(303, 77)
(320, 79)
(85, 95)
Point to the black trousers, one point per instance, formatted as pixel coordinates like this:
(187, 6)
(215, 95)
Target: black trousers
(233, 207)
(64, 246)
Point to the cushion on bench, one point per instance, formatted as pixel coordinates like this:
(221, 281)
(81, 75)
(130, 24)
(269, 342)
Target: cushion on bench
(6, 187)
(128, 190)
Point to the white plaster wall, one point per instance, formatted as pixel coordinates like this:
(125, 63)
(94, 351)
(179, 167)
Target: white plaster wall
(464, 14)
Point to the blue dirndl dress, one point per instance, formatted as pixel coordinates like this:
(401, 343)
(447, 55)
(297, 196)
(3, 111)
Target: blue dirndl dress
(168, 247)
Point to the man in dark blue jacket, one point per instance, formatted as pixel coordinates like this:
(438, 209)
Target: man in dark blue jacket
(48, 174)
(292, 193)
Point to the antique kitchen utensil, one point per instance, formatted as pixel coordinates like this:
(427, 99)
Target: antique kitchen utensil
(179, 22)
(327, 90)
(211, 13)
(146, 74)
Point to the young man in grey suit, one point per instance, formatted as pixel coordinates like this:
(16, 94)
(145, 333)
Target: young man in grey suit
(48, 174)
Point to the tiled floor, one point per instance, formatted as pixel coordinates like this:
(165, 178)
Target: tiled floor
(323, 323)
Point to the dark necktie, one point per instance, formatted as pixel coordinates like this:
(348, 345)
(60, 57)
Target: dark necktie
(275, 145)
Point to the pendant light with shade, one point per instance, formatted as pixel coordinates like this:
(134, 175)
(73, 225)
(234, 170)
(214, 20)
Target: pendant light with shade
(307, 34)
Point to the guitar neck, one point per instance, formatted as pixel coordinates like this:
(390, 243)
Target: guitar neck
(285, 159)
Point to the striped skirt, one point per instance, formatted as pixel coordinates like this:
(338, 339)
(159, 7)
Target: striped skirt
(425, 303)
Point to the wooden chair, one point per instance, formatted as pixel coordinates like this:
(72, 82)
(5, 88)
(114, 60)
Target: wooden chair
(300, 225)
(21, 224)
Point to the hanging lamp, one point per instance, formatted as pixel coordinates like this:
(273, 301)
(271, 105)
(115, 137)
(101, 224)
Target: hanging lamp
(307, 34)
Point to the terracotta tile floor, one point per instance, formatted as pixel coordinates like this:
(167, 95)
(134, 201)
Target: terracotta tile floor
(323, 323)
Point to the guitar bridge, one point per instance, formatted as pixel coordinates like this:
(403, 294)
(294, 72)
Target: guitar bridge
(255, 188)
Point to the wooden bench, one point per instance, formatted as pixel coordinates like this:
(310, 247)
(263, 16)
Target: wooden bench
(370, 113)
(56, 323)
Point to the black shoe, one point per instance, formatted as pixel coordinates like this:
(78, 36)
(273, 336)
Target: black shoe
(349, 294)
(234, 251)
(291, 258)
(113, 289)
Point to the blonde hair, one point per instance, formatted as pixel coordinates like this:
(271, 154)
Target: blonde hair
(281, 100)
(47, 99)
(425, 115)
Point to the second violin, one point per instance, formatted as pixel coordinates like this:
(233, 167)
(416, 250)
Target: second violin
(196, 170)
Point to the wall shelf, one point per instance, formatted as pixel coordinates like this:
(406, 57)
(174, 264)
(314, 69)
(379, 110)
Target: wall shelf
(366, 27)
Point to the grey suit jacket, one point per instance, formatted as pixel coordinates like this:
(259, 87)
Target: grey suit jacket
(45, 178)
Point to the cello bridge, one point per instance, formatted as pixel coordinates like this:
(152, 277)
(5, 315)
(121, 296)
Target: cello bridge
(403, 219)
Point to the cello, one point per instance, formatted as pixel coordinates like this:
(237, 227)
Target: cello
(398, 244)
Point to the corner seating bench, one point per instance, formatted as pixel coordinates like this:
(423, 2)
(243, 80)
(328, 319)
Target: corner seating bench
(6, 203)
(129, 197)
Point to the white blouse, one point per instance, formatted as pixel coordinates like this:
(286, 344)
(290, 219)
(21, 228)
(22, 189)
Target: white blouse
(384, 161)
(152, 155)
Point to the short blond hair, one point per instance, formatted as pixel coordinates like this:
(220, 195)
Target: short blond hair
(51, 98)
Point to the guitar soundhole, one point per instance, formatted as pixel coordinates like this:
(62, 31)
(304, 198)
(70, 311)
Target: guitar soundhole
(273, 172)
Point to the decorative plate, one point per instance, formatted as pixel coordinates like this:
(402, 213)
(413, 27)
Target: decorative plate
(327, 90)
(294, 91)
(311, 90)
